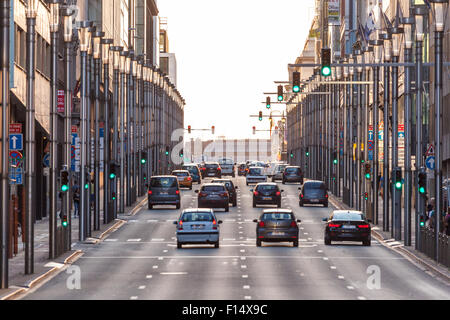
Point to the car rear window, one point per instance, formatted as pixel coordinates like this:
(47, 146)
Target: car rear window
(277, 216)
(213, 188)
(266, 187)
(226, 161)
(314, 185)
(190, 168)
(212, 165)
(292, 170)
(226, 183)
(166, 182)
(197, 216)
(254, 171)
(280, 168)
(180, 174)
(348, 216)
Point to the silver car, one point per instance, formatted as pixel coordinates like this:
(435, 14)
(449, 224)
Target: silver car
(197, 226)
(278, 172)
(255, 175)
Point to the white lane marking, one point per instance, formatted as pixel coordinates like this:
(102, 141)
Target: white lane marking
(325, 258)
(350, 288)
(246, 287)
(333, 267)
(320, 251)
(229, 239)
(340, 277)
(111, 240)
(247, 297)
(245, 276)
(160, 258)
(243, 250)
(243, 266)
(133, 240)
(149, 276)
(165, 251)
(243, 258)
(155, 267)
(141, 287)
(134, 298)
(362, 298)
(150, 221)
(173, 273)
(157, 239)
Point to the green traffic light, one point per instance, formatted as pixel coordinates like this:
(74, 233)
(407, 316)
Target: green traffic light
(335, 161)
(325, 71)
(296, 89)
(86, 186)
(307, 154)
(280, 98)
(64, 188)
(422, 223)
(64, 223)
(421, 190)
(398, 185)
(268, 106)
(143, 161)
(367, 176)
(112, 175)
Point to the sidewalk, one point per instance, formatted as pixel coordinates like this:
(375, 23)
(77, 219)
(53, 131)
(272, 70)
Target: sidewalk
(419, 259)
(43, 266)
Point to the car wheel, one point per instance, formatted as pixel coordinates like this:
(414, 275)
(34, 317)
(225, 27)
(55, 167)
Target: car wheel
(279, 204)
(254, 204)
(366, 243)
(216, 245)
(227, 208)
(179, 245)
(283, 182)
(327, 241)
(258, 243)
(295, 243)
(178, 206)
(325, 205)
(273, 180)
(234, 203)
(300, 204)
(150, 207)
(190, 188)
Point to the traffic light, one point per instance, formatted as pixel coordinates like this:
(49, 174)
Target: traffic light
(143, 157)
(307, 151)
(325, 70)
(64, 221)
(268, 102)
(366, 195)
(422, 182)
(212, 129)
(397, 178)
(260, 116)
(181, 154)
(422, 220)
(254, 129)
(113, 196)
(292, 154)
(167, 150)
(296, 81)
(335, 159)
(280, 93)
(112, 170)
(64, 180)
(87, 180)
(367, 173)
(189, 129)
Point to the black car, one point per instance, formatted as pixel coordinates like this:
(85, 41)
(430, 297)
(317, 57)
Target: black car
(230, 187)
(241, 169)
(292, 174)
(163, 190)
(277, 225)
(213, 195)
(313, 192)
(345, 225)
(267, 193)
(212, 169)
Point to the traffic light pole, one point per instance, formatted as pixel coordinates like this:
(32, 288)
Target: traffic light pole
(387, 182)
(375, 114)
(397, 195)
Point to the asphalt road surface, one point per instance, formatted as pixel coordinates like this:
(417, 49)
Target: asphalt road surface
(140, 261)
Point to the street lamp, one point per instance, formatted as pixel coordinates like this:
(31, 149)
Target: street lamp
(439, 9)
(123, 69)
(85, 39)
(30, 144)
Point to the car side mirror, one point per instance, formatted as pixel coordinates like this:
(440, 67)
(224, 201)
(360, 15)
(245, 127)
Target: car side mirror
(255, 220)
(369, 220)
(298, 220)
(251, 190)
(220, 222)
(196, 191)
(282, 191)
(175, 222)
(325, 219)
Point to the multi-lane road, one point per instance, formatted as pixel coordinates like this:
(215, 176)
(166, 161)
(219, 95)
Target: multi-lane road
(141, 261)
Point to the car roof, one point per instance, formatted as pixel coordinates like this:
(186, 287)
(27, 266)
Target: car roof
(221, 180)
(190, 164)
(347, 211)
(163, 176)
(277, 211)
(292, 166)
(267, 183)
(197, 210)
(212, 184)
(313, 181)
(257, 167)
(180, 171)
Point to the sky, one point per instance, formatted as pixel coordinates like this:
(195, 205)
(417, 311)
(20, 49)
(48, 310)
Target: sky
(228, 53)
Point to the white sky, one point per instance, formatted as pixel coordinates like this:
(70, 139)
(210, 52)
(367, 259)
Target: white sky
(230, 52)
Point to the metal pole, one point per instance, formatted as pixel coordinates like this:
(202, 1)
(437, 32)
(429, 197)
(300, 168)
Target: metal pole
(129, 136)
(396, 193)
(358, 141)
(438, 36)
(122, 140)
(83, 158)
(4, 104)
(53, 146)
(107, 184)
(387, 182)
(375, 113)
(407, 158)
(89, 141)
(30, 148)
(97, 71)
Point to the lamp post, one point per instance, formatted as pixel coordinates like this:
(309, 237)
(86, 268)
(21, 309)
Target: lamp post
(85, 39)
(377, 53)
(359, 55)
(97, 55)
(68, 33)
(367, 57)
(351, 129)
(139, 131)
(107, 210)
(407, 23)
(346, 118)
(386, 38)
(439, 14)
(129, 136)
(419, 13)
(54, 26)
(123, 58)
(397, 33)
(134, 124)
(4, 131)
(30, 144)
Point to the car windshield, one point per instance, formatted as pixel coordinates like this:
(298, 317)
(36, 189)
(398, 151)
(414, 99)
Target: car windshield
(166, 182)
(254, 171)
(181, 174)
(277, 216)
(213, 188)
(197, 216)
(266, 187)
(348, 216)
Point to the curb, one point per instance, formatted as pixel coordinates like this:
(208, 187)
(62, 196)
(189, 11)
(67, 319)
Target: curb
(43, 278)
(138, 207)
(405, 253)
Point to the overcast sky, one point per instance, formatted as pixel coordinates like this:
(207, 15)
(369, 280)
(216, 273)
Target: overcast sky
(230, 52)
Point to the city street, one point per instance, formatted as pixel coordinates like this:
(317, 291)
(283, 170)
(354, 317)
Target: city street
(140, 261)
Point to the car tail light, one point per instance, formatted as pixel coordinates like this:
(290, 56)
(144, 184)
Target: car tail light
(293, 224)
(262, 224)
(334, 225)
(218, 169)
(278, 193)
(301, 195)
(326, 196)
(202, 194)
(177, 192)
(363, 226)
(203, 169)
(256, 193)
(224, 194)
(189, 178)
(180, 225)
(214, 225)
(150, 192)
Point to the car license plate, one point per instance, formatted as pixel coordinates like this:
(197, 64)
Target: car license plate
(278, 233)
(164, 193)
(210, 173)
(198, 226)
(267, 198)
(348, 227)
(314, 200)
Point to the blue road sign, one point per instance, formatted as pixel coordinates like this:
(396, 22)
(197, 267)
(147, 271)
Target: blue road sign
(430, 162)
(46, 160)
(16, 141)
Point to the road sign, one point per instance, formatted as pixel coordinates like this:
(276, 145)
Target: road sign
(60, 105)
(46, 160)
(369, 145)
(15, 128)
(430, 150)
(16, 178)
(430, 162)
(16, 141)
